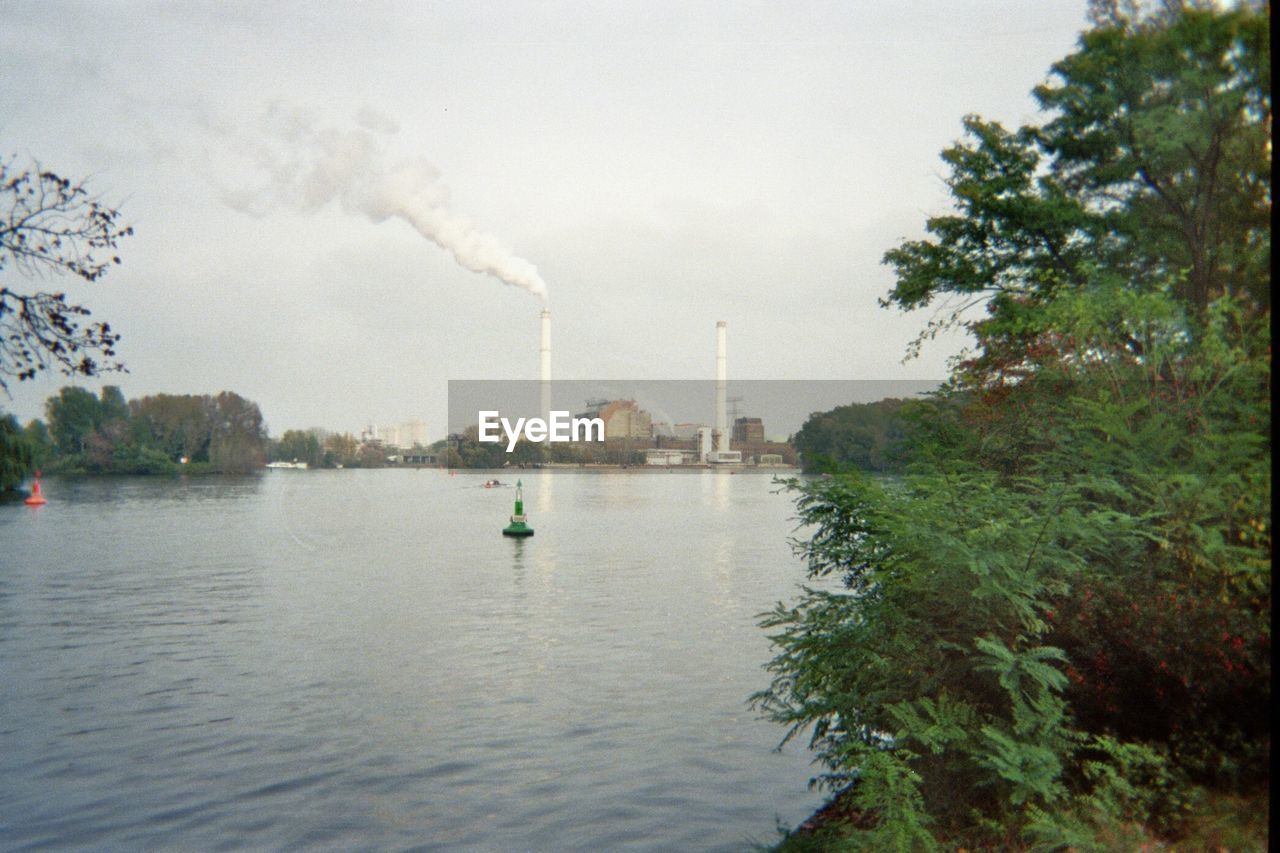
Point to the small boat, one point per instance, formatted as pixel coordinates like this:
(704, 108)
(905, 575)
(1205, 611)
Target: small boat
(489, 484)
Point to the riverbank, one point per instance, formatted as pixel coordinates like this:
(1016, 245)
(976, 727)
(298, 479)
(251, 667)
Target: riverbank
(1214, 821)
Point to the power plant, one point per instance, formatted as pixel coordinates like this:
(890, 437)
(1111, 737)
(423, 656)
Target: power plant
(625, 420)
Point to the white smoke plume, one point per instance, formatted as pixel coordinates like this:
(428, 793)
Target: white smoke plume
(309, 165)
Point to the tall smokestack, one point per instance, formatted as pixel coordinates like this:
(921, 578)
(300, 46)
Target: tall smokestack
(544, 372)
(722, 376)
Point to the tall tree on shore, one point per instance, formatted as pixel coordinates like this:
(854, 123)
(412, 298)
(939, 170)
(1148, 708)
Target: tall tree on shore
(298, 445)
(238, 439)
(74, 413)
(17, 453)
(175, 424)
(1155, 166)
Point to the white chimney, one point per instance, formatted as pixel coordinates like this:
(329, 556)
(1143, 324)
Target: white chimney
(722, 376)
(544, 372)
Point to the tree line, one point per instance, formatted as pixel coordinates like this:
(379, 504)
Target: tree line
(1053, 631)
(321, 448)
(866, 436)
(160, 433)
(467, 451)
(164, 434)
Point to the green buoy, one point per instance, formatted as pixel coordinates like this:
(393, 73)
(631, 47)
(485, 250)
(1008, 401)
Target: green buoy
(517, 527)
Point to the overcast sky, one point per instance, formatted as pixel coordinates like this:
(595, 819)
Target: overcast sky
(663, 165)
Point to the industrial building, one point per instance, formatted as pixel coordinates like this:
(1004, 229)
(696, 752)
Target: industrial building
(411, 433)
(630, 433)
(622, 419)
(748, 431)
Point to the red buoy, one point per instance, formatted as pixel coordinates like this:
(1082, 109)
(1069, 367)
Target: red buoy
(36, 499)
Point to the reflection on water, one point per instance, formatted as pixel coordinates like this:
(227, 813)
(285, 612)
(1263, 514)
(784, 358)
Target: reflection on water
(360, 659)
(544, 495)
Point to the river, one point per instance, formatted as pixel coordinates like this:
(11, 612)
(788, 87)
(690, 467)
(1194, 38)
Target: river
(358, 659)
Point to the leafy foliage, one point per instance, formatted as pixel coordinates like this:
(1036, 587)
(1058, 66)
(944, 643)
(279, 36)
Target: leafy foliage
(1156, 167)
(299, 446)
(17, 453)
(866, 435)
(52, 226)
(154, 434)
(1058, 621)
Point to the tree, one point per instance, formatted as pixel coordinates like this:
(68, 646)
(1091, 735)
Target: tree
(112, 407)
(474, 454)
(177, 425)
(238, 435)
(41, 442)
(1057, 624)
(866, 435)
(371, 456)
(53, 226)
(300, 446)
(74, 414)
(17, 453)
(1163, 129)
(87, 426)
(1154, 167)
(340, 449)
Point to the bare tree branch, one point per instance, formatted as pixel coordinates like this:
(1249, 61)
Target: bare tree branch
(52, 226)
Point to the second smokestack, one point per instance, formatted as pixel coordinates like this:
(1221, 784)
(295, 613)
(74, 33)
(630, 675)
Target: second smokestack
(722, 377)
(544, 367)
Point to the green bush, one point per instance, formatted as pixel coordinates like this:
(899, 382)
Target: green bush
(1027, 642)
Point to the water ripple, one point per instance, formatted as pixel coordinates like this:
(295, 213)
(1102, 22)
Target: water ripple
(180, 675)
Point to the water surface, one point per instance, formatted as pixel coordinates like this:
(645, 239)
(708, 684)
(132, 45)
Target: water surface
(343, 659)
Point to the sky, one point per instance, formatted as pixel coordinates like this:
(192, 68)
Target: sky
(658, 166)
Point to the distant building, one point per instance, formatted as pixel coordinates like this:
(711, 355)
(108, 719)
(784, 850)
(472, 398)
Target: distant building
(664, 457)
(748, 431)
(685, 431)
(622, 418)
(413, 433)
(426, 459)
(704, 443)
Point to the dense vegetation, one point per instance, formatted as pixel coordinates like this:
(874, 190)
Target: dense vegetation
(1054, 630)
(865, 436)
(166, 434)
(324, 449)
(161, 433)
(468, 452)
(17, 454)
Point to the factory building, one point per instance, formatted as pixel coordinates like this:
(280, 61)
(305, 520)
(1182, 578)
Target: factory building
(748, 431)
(411, 433)
(622, 419)
(667, 456)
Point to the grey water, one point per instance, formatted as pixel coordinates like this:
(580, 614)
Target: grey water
(358, 659)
